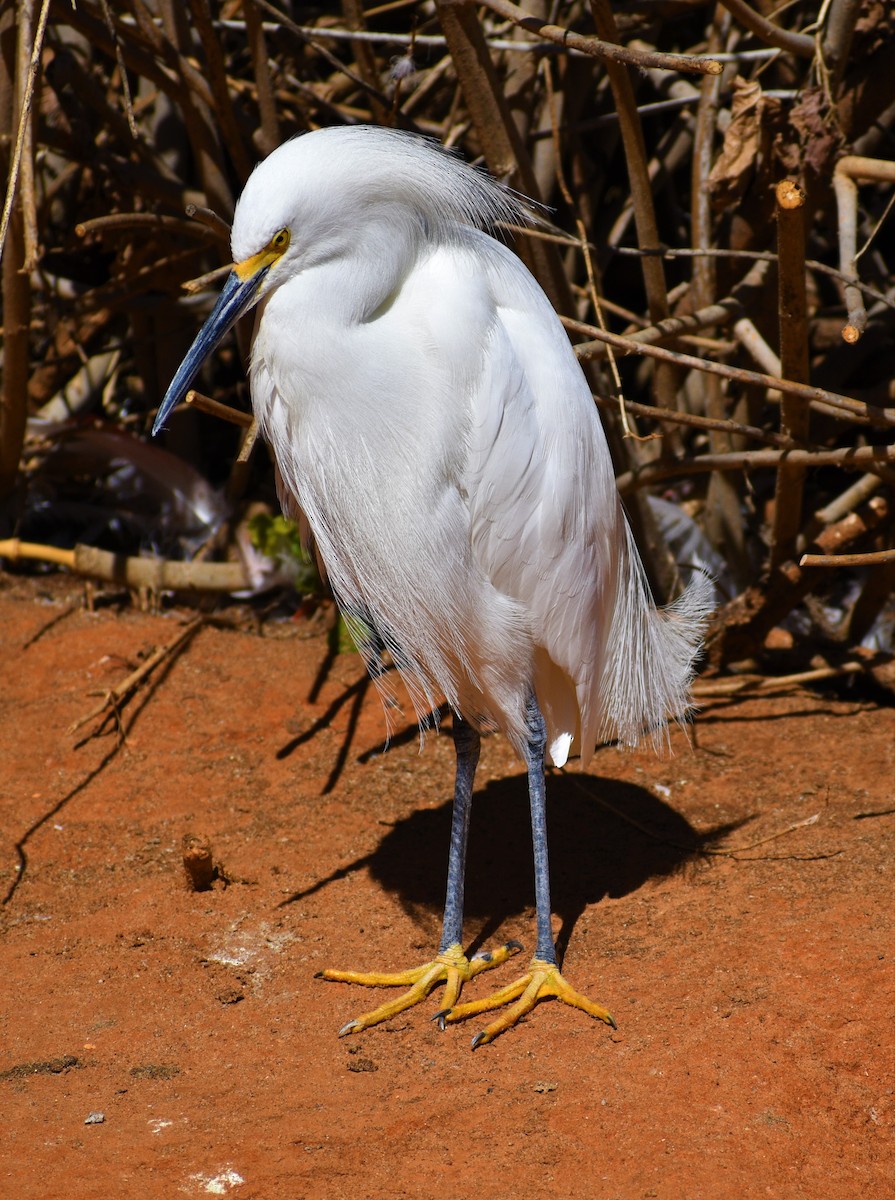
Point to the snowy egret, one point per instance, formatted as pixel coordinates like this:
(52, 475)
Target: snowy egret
(435, 436)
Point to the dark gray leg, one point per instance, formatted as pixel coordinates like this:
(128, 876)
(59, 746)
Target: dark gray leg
(467, 744)
(537, 792)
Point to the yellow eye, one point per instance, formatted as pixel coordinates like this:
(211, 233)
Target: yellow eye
(279, 241)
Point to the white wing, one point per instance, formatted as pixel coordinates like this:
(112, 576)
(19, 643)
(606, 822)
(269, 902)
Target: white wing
(548, 528)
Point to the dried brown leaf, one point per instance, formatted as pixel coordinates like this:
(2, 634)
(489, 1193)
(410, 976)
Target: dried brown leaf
(736, 164)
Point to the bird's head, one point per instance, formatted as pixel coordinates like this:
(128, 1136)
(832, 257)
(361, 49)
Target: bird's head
(321, 196)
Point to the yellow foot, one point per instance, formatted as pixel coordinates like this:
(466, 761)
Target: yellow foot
(451, 967)
(542, 981)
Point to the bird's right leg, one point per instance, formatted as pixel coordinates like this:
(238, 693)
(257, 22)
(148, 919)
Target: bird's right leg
(543, 979)
(450, 966)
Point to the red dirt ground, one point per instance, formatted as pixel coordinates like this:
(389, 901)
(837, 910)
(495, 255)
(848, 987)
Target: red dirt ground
(754, 994)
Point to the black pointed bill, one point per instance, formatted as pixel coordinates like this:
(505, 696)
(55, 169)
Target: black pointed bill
(239, 294)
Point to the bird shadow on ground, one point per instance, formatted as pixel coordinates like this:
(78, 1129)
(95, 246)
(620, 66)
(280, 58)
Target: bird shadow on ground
(594, 853)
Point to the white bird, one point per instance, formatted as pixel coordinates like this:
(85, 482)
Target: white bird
(434, 434)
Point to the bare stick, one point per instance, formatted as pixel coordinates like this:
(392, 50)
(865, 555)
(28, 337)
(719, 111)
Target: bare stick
(704, 688)
(201, 282)
(638, 172)
(232, 136)
(502, 145)
(884, 417)
(25, 96)
(270, 130)
(703, 278)
(847, 209)
(676, 417)
(856, 493)
(839, 29)
(751, 340)
(739, 628)
(16, 294)
(122, 72)
(198, 104)
(758, 256)
(600, 49)
(723, 518)
(848, 170)
(793, 317)
(116, 222)
(208, 217)
(214, 408)
(115, 697)
(861, 458)
(730, 309)
(800, 44)
(873, 559)
(157, 574)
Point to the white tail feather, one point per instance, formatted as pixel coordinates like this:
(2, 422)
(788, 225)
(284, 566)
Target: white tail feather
(651, 656)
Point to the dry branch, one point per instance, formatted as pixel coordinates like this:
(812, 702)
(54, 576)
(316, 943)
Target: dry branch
(843, 406)
(154, 574)
(800, 44)
(115, 697)
(792, 314)
(601, 49)
(874, 559)
(861, 458)
(848, 171)
(214, 408)
(739, 628)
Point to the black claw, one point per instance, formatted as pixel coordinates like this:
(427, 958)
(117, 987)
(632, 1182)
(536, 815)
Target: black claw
(478, 1039)
(611, 1021)
(513, 945)
(440, 1016)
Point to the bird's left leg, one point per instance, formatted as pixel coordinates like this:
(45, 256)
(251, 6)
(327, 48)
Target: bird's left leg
(543, 979)
(450, 966)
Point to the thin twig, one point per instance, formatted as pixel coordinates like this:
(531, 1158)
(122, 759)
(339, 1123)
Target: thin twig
(115, 697)
(858, 458)
(638, 176)
(23, 108)
(270, 129)
(213, 62)
(884, 417)
(838, 31)
(124, 221)
(759, 256)
(800, 44)
(849, 169)
(676, 417)
(704, 689)
(122, 72)
(504, 149)
(600, 49)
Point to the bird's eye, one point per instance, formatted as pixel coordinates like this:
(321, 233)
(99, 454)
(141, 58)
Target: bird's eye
(280, 240)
